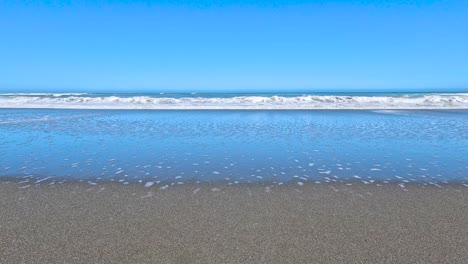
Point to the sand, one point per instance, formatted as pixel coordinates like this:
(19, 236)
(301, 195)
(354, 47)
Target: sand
(315, 223)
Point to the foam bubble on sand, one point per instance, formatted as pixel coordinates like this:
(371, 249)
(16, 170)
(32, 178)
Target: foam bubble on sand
(44, 179)
(149, 184)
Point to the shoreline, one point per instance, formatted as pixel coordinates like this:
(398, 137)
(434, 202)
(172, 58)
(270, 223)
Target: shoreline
(27, 182)
(247, 223)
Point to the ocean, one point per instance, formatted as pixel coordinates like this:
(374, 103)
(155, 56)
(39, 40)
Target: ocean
(237, 101)
(119, 138)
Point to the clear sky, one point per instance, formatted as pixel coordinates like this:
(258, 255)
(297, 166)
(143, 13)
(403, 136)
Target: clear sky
(124, 46)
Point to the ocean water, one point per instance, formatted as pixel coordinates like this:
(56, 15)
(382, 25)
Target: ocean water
(239, 101)
(164, 147)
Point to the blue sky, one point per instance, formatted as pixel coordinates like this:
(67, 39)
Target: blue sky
(125, 46)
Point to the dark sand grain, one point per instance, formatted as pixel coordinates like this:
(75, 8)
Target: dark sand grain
(334, 223)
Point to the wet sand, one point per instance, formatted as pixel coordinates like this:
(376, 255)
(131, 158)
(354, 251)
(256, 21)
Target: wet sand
(316, 223)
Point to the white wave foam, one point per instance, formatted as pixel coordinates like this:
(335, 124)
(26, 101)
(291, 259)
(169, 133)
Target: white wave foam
(43, 94)
(427, 101)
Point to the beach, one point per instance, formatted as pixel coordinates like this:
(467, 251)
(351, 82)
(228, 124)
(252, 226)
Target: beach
(234, 132)
(140, 186)
(247, 223)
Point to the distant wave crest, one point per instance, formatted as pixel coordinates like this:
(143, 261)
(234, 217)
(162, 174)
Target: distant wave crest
(85, 101)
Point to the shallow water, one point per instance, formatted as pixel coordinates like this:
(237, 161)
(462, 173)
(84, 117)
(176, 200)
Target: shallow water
(370, 147)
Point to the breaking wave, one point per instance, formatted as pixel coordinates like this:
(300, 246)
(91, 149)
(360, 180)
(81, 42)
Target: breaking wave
(88, 101)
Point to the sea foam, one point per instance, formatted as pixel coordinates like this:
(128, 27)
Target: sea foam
(84, 101)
